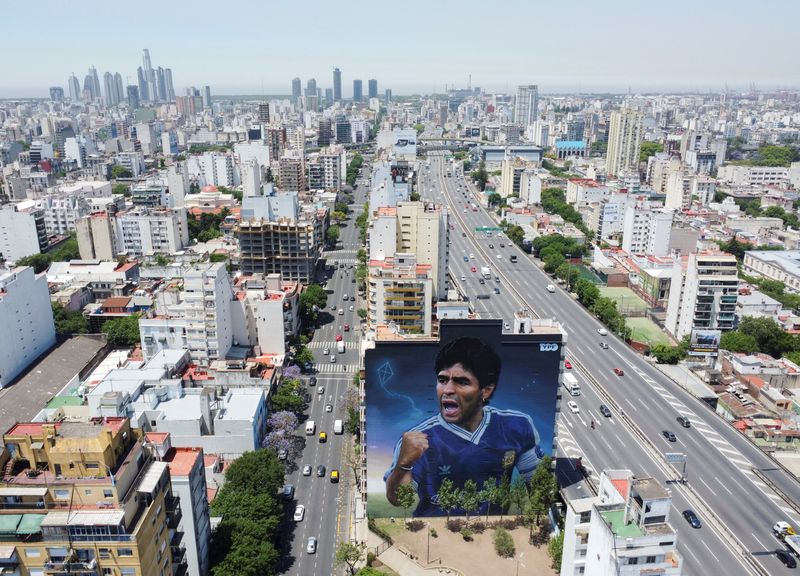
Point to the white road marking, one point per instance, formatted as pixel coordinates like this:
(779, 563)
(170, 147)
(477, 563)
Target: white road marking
(707, 486)
(721, 483)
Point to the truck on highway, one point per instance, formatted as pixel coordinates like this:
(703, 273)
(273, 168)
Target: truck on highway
(571, 384)
(792, 543)
(486, 272)
(340, 346)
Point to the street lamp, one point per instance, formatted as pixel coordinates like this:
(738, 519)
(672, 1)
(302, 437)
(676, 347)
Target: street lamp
(519, 558)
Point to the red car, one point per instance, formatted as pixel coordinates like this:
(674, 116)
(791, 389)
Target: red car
(347, 327)
(619, 372)
(567, 364)
(473, 269)
(338, 337)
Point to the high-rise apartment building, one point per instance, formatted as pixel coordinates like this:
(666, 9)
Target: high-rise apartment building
(526, 105)
(56, 93)
(207, 97)
(97, 237)
(703, 293)
(400, 292)
(623, 530)
(88, 498)
(357, 91)
(22, 232)
(337, 85)
(133, 96)
(263, 114)
(110, 90)
(145, 231)
(325, 136)
(144, 95)
(291, 173)
(372, 88)
(74, 87)
(646, 231)
(296, 89)
(311, 88)
(27, 320)
(624, 138)
(276, 140)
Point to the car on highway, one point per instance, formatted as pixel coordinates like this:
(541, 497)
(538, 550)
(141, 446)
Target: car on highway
(496, 290)
(473, 269)
(491, 246)
(320, 389)
(684, 421)
(499, 256)
(311, 546)
(785, 557)
(326, 351)
(573, 407)
(321, 471)
(333, 308)
(502, 245)
(603, 345)
(466, 258)
(472, 256)
(605, 411)
(669, 435)
(481, 281)
(351, 309)
(551, 288)
(352, 298)
(323, 437)
(341, 312)
(312, 381)
(307, 470)
(299, 513)
(328, 407)
(567, 364)
(463, 278)
(602, 331)
(338, 337)
(619, 372)
(288, 492)
(334, 476)
(347, 326)
(464, 234)
(692, 518)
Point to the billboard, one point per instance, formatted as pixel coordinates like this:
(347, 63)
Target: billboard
(704, 342)
(405, 143)
(475, 405)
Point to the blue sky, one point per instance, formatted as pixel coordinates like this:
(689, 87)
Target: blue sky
(255, 47)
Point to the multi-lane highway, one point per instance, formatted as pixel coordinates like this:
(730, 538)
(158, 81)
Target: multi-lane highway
(325, 501)
(722, 465)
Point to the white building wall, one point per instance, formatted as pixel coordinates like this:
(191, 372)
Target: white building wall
(18, 235)
(27, 321)
(383, 237)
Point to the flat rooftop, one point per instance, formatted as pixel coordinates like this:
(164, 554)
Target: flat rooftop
(21, 401)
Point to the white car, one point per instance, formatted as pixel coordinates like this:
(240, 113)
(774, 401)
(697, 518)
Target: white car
(506, 326)
(326, 351)
(299, 513)
(602, 331)
(499, 256)
(463, 278)
(573, 407)
(551, 288)
(311, 547)
(351, 308)
(471, 256)
(341, 311)
(307, 470)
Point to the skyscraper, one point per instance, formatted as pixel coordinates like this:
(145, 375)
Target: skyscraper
(624, 137)
(357, 91)
(263, 114)
(526, 105)
(89, 93)
(142, 82)
(110, 91)
(119, 89)
(296, 89)
(74, 86)
(133, 96)
(206, 96)
(95, 81)
(311, 87)
(149, 77)
(161, 82)
(372, 88)
(56, 93)
(388, 96)
(170, 87)
(337, 85)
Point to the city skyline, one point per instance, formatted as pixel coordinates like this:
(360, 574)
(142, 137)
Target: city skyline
(436, 52)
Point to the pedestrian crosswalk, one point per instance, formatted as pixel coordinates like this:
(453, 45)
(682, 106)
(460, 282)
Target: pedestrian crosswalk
(329, 344)
(330, 368)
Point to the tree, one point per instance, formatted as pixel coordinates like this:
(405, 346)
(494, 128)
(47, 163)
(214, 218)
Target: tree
(349, 554)
(122, 332)
(282, 421)
(68, 322)
(736, 341)
(406, 495)
(312, 299)
(469, 498)
(494, 199)
(518, 494)
(480, 176)
(665, 354)
(122, 189)
(254, 470)
(420, 128)
(119, 171)
(503, 543)
(39, 262)
(768, 334)
(332, 235)
(490, 493)
(447, 497)
(647, 149)
(516, 234)
(555, 548)
(552, 262)
(338, 216)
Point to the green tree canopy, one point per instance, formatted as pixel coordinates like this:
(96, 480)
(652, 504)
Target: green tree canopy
(768, 334)
(68, 322)
(349, 554)
(332, 235)
(313, 295)
(122, 332)
(406, 496)
(648, 149)
(736, 341)
(119, 171)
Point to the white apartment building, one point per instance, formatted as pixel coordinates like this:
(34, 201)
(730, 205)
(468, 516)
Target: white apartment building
(624, 530)
(703, 293)
(187, 474)
(149, 231)
(22, 232)
(754, 175)
(704, 188)
(26, 318)
(625, 135)
(585, 191)
(251, 178)
(526, 105)
(132, 160)
(196, 318)
(218, 169)
(530, 187)
(678, 190)
(780, 265)
(62, 212)
(646, 231)
(610, 214)
(400, 292)
(265, 313)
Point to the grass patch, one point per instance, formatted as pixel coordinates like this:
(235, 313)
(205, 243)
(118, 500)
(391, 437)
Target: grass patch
(626, 299)
(645, 330)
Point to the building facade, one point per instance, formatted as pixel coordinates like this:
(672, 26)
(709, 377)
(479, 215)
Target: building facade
(624, 139)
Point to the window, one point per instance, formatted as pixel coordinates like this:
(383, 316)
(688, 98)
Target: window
(633, 560)
(650, 560)
(87, 492)
(128, 571)
(33, 553)
(108, 572)
(124, 551)
(61, 494)
(108, 493)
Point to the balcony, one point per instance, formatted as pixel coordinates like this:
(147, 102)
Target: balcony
(174, 513)
(178, 553)
(71, 568)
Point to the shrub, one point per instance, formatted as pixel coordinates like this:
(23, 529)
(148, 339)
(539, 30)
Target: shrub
(455, 524)
(370, 558)
(415, 525)
(508, 523)
(434, 534)
(466, 533)
(478, 526)
(503, 543)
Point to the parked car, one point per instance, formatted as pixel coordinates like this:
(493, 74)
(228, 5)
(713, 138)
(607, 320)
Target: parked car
(288, 492)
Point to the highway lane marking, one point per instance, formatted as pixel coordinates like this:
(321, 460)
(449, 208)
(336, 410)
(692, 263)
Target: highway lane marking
(631, 405)
(707, 486)
(721, 483)
(645, 406)
(696, 559)
(709, 550)
(740, 462)
(759, 542)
